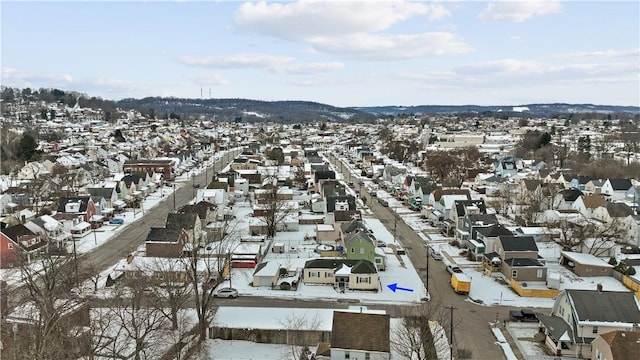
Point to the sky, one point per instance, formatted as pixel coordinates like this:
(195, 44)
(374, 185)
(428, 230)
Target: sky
(342, 53)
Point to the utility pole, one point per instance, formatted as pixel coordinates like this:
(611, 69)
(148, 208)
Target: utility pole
(451, 308)
(427, 276)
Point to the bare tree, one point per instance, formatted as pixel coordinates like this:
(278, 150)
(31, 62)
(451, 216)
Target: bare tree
(296, 326)
(414, 337)
(274, 207)
(137, 312)
(46, 301)
(170, 284)
(580, 234)
(205, 272)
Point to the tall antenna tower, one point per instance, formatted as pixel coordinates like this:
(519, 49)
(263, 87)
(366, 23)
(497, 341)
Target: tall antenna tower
(201, 92)
(209, 93)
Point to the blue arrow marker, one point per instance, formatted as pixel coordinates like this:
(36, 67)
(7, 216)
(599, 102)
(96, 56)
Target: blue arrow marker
(395, 287)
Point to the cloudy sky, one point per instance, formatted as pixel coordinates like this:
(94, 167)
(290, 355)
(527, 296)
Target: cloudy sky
(343, 53)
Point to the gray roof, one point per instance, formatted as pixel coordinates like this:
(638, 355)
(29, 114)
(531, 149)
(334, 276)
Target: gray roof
(620, 184)
(556, 325)
(606, 306)
(521, 262)
(518, 243)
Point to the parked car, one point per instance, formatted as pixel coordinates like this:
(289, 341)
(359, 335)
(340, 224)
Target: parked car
(226, 292)
(196, 185)
(436, 255)
(116, 221)
(523, 315)
(383, 202)
(453, 269)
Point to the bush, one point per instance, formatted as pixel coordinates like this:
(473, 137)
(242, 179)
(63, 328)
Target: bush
(625, 269)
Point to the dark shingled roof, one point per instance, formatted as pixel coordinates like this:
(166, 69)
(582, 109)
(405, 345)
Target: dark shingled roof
(15, 232)
(620, 184)
(358, 266)
(361, 331)
(518, 243)
(606, 306)
(618, 210)
(494, 231)
(519, 262)
(84, 201)
(181, 221)
(571, 194)
(105, 192)
(157, 234)
(461, 206)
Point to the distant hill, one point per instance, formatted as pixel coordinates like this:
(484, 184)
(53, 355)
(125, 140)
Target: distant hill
(532, 109)
(248, 110)
(306, 111)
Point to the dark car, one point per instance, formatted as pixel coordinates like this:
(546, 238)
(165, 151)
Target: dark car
(196, 185)
(523, 315)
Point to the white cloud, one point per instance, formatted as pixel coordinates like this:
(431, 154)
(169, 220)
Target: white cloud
(601, 54)
(18, 78)
(236, 61)
(381, 47)
(350, 28)
(518, 11)
(304, 20)
(207, 79)
(275, 63)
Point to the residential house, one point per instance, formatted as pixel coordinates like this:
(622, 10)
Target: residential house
(593, 187)
(359, 245)
(459, 210)
(616, 189)
(616, 345)
(78, 205)
(189, 222)
(585, 265)
(167, 242)
(506, 166)
(52, 229)
(580, 182)
(360, 336)
(579, 316)
(422, 187)
(207, 213)
(566, 198)
(342, 274)
(519, 255)
(109, 193)
(587, 204)
(18, 243)
(488, 235)
(472, 222)
(394, 174)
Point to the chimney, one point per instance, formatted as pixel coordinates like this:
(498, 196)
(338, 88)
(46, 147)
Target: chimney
(599, 288)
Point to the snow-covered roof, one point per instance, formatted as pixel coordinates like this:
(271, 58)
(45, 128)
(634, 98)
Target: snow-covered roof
(585, 259)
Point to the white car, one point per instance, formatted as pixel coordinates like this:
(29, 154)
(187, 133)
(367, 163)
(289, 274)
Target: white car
(226, 292)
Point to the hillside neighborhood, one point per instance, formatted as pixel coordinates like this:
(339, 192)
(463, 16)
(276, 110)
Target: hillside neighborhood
(143, 236)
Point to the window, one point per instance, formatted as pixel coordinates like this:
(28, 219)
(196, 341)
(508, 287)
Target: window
(514, 273)
(539, 273)
(353, 250)
(594, 330)
(347, 355)
(367, 356)
(598, 354)
(361, 250)
(363, 280)
(328, 274)
(10, 245)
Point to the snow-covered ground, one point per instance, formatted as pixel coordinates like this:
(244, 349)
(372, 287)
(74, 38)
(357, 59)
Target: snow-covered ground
(102, 235)
(399, 270)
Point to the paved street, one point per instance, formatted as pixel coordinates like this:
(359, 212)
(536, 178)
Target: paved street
(121, 244)
(471, 321)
